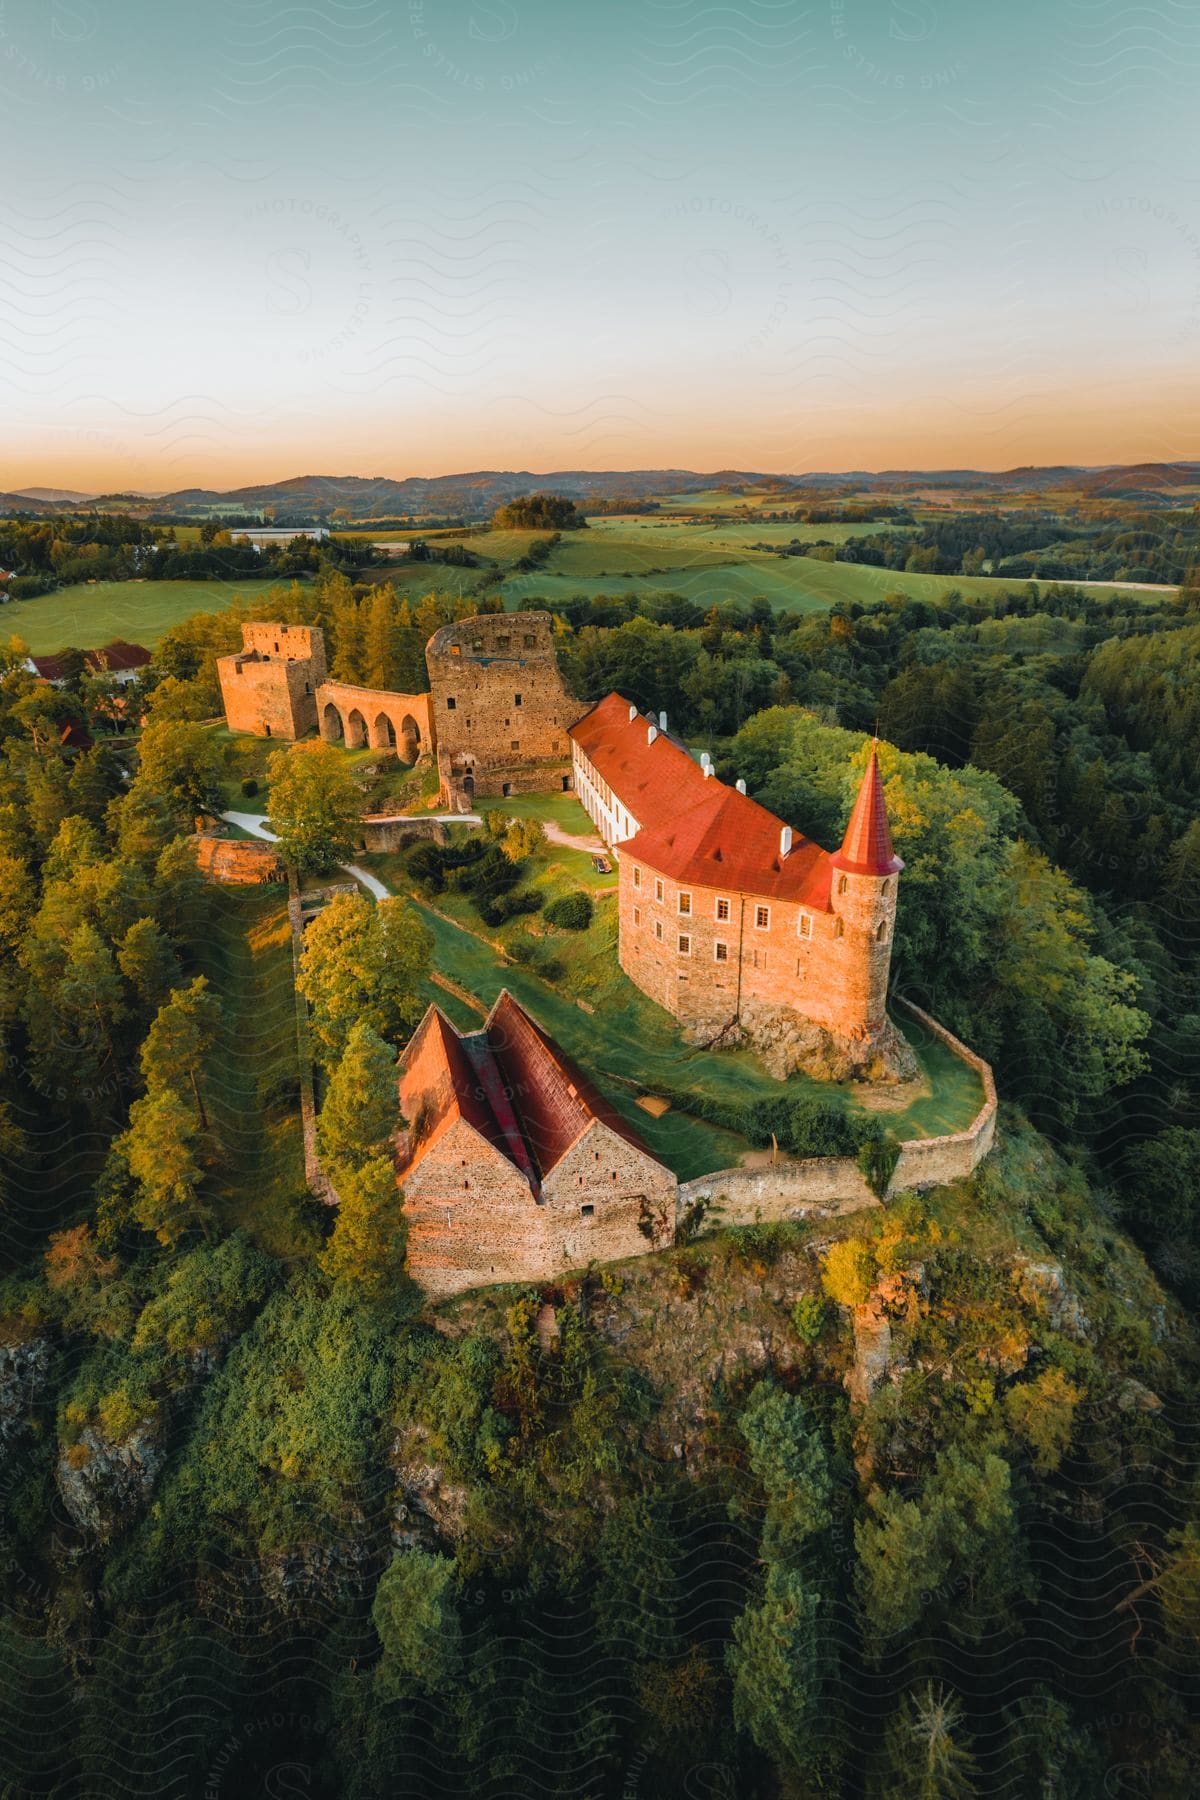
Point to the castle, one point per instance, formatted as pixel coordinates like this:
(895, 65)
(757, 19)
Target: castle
(735, 923)
(739, 926)
(496, 715)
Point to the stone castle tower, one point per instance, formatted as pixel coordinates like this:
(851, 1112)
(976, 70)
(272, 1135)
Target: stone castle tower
(866, 874)
(270, 686)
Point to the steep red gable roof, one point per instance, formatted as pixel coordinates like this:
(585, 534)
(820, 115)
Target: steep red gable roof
(867, 846)
(694, 828)
(511, 1082)
(555, 1099)
(117, 657)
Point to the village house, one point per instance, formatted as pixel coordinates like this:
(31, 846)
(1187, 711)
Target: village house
(513, 1167)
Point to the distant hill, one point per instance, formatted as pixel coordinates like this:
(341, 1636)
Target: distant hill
(68, 495)
(475, 494)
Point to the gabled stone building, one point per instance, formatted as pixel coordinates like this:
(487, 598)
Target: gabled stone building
(513, 1167)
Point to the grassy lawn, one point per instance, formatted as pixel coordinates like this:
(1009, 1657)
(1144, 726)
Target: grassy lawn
(626, 1043)
(253, 1092)
(246, 758)
(83, 617)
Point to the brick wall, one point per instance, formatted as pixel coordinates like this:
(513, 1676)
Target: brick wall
(500, 710)
(706, 953)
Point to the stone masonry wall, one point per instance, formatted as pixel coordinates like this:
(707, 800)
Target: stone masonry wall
(363, 716)
(814, 1186)
(500, 710)
(236, 860)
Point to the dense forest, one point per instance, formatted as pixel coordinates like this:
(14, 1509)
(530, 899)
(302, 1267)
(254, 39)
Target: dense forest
(1158, 548)
(898, 1504)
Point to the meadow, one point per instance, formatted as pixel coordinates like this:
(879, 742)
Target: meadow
(140, 612)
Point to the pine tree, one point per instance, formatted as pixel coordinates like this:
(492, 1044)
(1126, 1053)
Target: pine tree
(182, 1033)
(361, 1109)
(148, 962)
(160, 1149)
(366, 1250)
(926, 1751)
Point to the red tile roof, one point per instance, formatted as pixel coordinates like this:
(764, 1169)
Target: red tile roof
(693, 827)
(867, 846)
(511, 1082)
(118, 656)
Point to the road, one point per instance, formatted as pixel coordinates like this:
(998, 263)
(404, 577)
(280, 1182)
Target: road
(256, 825)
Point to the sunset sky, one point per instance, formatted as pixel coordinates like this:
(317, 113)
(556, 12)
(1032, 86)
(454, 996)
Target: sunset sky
(263, 238)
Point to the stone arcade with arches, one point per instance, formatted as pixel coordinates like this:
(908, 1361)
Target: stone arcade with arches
(370, 717)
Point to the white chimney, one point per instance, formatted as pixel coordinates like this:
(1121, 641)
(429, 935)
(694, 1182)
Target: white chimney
(651, 733)
(662, 721)
(632, 711)
(708, 769)
(740, 785)
(705, 759)
(785, 841)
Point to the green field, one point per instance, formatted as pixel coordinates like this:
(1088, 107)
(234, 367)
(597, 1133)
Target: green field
(87, 616)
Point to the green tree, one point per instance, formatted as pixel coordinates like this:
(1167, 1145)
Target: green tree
(180, 764)
(361, 1110)
(927, 1752)
(315, 807)
(91, 997)
(789, 1460)
(160, 1148)
(364, 963)
(775, 1662)
(182, 1033)
(415, 1615)
(148, 961)
(365, 1252)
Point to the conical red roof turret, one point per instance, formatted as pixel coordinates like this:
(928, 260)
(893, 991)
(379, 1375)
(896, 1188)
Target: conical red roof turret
(867, 846)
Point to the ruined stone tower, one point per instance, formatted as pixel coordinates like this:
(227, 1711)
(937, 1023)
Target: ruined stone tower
(270, 687)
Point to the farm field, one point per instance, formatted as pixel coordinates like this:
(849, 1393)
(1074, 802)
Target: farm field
(85, 617)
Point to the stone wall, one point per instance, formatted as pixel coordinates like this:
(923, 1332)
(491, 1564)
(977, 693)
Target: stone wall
(269, 688)
(237, 860)
(370, 716)
(500, 710)
(818, 1186)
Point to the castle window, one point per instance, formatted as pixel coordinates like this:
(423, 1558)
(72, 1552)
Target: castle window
(477, 643)
(762, 918)
(637, 915)
(637, 877)
(456, 649)
(586, 1211)
(530, 640)
(881, 934)
(720, 952)
(506, 790)
(658, 890)
(804, 925)
(658, 929)
(685, 902)
(517, 702)
(839, 929)
(685, 945)
(516, 743)
(502, 643)
(722, 912)
(451, 703)
(843, 884)
(886, 888)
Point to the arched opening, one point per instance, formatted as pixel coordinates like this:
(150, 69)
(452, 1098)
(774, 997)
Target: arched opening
(383, 733)
(839, 930)
(843, 884)
(331, 723)
(881, 933)
(410, 738)
(356, 730)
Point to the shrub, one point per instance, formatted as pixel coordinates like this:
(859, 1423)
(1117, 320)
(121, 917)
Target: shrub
(804, 1125)
(877, 1159)
(809, 1317)
(849, 1271)
(249, 786)
(571, 911)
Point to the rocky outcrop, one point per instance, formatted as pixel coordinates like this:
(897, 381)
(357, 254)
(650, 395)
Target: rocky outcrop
(103, 1482)
(23, 1370)
(429, 1511)
(787, 1042)
(1044, 1284)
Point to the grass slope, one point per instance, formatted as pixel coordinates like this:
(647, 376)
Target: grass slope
(85, 617)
